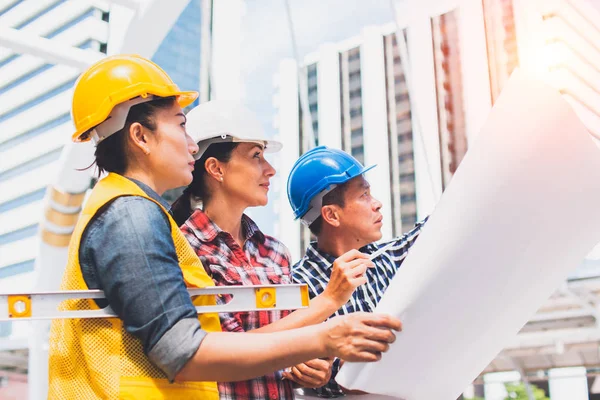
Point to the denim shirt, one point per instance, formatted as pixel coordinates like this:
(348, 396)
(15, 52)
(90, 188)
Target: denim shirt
(128, 252)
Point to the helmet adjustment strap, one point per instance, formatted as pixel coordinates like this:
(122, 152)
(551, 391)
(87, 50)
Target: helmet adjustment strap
(116, 119)
(315, 205)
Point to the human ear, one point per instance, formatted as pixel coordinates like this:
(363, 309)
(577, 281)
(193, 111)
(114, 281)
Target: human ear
(214, 168)
(331, 215)
(139, 137)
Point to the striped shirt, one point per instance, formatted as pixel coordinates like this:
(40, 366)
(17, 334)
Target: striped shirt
(314, 269)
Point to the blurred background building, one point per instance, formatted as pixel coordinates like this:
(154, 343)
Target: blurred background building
(459, 56)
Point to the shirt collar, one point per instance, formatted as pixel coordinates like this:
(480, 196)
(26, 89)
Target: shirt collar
(314, 252)
(251, 230)
(151, 193)
(206, 230)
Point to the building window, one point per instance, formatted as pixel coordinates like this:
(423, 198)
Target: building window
(354, 54)
(10, 7)
(23, 200)
(32, 18)
(402, 138)
(313, 98)
(26, 77)
(45, 96)
(407, 178)
(359, 154)
(356, 112)
(402, 97)
(33, 163)
(92, 12)
(408, 198)
(405, 157)
(16, 269)
(38, 130)
(19, 234)
(8, 60)
(356, 94)
(501, 42)
(400, 135)
(409, 221)
(351, 103)
(449, 91)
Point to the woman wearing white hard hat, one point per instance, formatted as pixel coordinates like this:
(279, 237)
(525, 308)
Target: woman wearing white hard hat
(231, 174)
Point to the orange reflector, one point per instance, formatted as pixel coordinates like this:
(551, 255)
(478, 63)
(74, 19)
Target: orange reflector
(19, 306)
(265, 297)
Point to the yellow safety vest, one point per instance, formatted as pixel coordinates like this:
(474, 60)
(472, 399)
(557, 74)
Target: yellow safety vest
(96, 358)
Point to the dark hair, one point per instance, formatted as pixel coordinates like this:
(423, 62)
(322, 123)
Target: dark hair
(182, 207)
(111, 153)
(336, 196)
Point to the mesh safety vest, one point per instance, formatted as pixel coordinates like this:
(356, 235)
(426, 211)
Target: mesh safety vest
(96, 358)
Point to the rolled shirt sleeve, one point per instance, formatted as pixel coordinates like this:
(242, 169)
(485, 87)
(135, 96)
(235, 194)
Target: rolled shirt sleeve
(128, 252)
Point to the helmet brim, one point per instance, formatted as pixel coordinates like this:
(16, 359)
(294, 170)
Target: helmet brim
(271, 146)
(184, 99)
(367, 169)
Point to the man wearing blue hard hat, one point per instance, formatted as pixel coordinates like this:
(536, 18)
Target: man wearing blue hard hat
(329, 193)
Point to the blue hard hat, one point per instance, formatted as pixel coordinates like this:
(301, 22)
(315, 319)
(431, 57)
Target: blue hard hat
(316, 173)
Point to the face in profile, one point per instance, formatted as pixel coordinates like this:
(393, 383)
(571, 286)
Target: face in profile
(171, 148)
(247, 175)
(361, 214)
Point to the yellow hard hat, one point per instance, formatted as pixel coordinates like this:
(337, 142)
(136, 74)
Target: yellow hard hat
(123, 80)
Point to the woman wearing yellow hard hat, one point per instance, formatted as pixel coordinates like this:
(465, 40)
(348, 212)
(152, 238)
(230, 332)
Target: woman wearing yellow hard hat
(127, 244)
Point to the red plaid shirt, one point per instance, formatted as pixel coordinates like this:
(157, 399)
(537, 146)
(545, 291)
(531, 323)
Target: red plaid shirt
(263, 260)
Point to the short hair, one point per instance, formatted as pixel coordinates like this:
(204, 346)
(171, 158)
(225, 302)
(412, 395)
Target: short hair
(335, 197)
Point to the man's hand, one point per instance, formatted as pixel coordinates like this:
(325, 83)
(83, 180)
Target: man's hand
(347, 273)
(311, 374)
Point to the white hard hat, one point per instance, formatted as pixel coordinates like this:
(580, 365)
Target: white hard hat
(219, 121)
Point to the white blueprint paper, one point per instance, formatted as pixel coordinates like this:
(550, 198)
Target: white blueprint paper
(521, 212)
